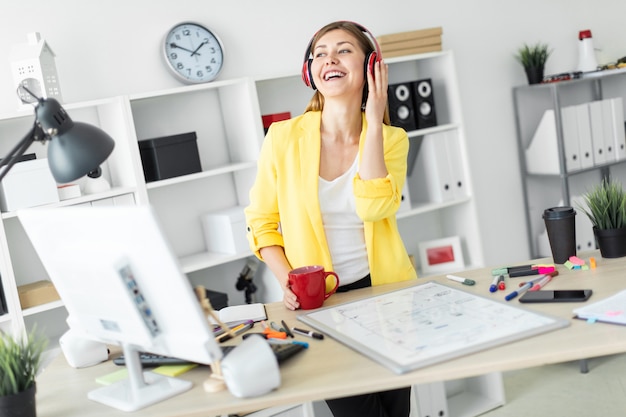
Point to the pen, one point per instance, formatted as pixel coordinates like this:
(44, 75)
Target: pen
(286, 329)
(494, 284)
(546, 278)
(508, 269)
(287, 342)
(520, 291)
(308, 333)
(540, 284)
(539, 278)
(535, 271)
(501, 283)
(464, 281)
(532, 281)
(237, 330)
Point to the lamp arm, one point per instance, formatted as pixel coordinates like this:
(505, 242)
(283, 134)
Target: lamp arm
(20, 148)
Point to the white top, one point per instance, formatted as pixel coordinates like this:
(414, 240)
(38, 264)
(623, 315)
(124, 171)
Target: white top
(344, 229)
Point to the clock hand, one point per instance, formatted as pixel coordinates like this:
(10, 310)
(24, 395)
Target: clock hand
(195, 52)
(174, 45)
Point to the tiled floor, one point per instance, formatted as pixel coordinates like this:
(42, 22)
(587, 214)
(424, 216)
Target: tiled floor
(562, 391)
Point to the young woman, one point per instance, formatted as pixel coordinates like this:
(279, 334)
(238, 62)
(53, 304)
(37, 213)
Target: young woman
(329, 184)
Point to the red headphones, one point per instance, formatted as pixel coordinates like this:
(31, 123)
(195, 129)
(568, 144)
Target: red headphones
(370, 59)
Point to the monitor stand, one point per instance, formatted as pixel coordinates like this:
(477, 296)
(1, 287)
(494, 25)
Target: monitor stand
(141, 389)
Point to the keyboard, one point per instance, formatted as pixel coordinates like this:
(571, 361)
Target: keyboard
(148, 360)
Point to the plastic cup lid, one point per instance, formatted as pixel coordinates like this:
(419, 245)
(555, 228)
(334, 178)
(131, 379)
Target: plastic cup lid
(555, 213)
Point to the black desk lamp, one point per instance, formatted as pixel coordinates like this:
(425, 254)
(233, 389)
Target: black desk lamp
(75, 148)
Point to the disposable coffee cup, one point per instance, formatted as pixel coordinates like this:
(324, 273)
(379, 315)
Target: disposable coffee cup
(561, 228)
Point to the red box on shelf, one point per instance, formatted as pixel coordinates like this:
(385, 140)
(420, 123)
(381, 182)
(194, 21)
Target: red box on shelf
(268, 119)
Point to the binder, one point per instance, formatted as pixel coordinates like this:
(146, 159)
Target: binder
(455, 165)
(3, 302)
(585, 239)
(431, 399)
(570, 138)
(432, 182)
(542, 154)
(597, 132)
(584, 136)
(405, 204)
(614, 119)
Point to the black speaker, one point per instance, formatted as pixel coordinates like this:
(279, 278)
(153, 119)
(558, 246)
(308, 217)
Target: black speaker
(424, 103)
(402, 106)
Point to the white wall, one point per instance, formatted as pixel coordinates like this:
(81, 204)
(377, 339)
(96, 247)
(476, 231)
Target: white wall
(108, 48)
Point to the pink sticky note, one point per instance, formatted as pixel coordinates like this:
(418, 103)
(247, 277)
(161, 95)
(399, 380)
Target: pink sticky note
(576, 260)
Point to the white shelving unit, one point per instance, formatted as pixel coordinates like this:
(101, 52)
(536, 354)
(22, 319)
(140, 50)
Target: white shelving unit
(557, 163)
(19, 264)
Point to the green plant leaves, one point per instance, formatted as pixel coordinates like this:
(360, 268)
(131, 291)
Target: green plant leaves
(19, 361)
(606, 205)
(533, 55)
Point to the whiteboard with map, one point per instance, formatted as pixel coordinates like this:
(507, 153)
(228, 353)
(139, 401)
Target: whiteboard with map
(421, 325)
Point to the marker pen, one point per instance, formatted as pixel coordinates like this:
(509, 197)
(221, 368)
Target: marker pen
(546, 279)
(286, 329)
(520, 291)
(494, 284)
(535, 271)
(236, 330)
(507, 269)
(308, 333)
(501, 283)
(464, 281)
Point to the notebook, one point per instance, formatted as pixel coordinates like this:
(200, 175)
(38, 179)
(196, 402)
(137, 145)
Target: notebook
(609, 310)
(233, 315)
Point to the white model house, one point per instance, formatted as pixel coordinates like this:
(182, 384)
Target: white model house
(33, 67)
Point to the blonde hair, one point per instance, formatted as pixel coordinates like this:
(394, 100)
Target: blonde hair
(317, 101)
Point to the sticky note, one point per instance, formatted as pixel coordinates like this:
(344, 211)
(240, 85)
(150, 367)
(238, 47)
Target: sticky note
(113, 377)
(174, 370)
(576, 260)
(568, 264)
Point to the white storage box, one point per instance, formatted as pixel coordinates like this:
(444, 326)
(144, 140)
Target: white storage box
(225, 231)
(28, 184)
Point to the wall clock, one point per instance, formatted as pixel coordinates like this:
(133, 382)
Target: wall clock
(193, 53)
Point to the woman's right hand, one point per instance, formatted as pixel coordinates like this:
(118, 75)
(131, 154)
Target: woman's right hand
(290, 299)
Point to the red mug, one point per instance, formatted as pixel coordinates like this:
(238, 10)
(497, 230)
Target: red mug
(309, 285)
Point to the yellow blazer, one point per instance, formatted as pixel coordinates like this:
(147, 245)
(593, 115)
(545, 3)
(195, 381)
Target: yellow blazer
(285, 209)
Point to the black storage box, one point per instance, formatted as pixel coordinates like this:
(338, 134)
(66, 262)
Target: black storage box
(169, 156)
(218, 300)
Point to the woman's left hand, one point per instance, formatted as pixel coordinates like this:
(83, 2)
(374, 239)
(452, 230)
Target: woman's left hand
(377, 83)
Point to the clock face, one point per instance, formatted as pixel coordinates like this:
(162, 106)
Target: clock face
(193, 53)
(31, 85)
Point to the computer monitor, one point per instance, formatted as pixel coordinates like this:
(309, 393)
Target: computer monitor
(122, 285)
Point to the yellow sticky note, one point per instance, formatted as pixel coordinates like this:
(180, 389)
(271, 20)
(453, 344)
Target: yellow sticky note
(174, 370)
(113, 377)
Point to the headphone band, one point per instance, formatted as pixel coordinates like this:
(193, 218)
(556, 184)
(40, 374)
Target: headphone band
(306, 65)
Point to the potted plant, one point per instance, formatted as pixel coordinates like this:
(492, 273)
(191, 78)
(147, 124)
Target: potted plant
(606, 208)
(20, 361)
(533, 58)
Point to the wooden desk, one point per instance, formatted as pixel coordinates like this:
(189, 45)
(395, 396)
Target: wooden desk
(329, 369)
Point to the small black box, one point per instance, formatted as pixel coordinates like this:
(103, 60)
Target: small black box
(169, 156)
(218, 300)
